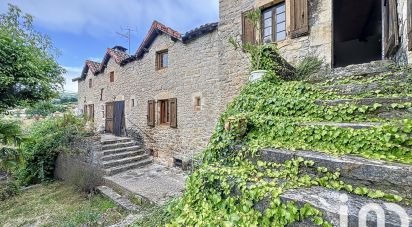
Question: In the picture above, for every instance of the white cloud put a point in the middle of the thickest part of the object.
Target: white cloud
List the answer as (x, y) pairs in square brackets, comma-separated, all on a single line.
[(102, 17), (72, 72)]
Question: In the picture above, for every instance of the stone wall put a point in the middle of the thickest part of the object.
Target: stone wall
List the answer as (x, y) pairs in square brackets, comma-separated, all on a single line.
[(192, 72), (234, 64)]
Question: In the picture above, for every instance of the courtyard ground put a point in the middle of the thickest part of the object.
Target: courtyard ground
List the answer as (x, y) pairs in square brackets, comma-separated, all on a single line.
[(57, 204)]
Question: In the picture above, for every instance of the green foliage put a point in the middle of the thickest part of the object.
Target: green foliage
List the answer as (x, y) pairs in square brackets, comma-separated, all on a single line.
[(46, 140), (8, 190), (156, 216), (28, 69), (44, 108), (308, 66), (228, 188), (10, 132)]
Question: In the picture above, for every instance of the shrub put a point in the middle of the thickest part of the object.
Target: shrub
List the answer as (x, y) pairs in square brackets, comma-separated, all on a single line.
[(308, 66), (8, 190), (44, 109), (47, 138)]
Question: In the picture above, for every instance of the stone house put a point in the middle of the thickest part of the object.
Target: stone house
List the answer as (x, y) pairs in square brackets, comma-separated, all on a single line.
[(172, 90), (166, 93)]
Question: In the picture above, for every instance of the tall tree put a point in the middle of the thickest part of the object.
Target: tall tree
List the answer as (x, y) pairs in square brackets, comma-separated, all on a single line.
[(29, 71)]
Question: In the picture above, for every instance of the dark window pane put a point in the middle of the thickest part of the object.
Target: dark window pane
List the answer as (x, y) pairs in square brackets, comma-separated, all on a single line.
[(267, 32), (281, 17), (281, 26), (280, 35), (267, 13), (267, 23), (165, 60), (267, 39), (280, 8)]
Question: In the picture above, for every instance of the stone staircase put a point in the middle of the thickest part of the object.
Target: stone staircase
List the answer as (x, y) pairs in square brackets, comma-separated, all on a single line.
[(122, 154), (362, 89)]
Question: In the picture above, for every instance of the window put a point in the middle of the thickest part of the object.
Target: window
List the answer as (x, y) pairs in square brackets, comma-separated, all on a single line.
[(111, 77), (90, 83), (274, 23), (164, 112), (162, 59), (101, 94), (198, 104), (132, 102), (167, 112)]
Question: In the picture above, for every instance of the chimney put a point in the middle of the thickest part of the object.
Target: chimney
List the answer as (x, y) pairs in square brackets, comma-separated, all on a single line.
[(120, 48)]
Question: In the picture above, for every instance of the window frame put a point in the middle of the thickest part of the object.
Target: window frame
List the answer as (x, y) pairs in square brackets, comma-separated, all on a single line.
[(111, 77), (164, 112), (160, 63), (273, 8)]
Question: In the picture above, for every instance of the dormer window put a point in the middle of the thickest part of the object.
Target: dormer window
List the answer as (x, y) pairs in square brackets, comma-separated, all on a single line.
[(162, 59)]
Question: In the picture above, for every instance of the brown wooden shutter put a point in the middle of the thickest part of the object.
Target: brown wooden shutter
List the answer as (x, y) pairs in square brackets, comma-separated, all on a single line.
[(391, 27), (299, 18), (248, 30), (410, 24), (173, 112), (151, 108)]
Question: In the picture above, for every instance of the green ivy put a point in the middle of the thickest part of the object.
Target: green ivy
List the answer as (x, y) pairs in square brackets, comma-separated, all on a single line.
[(231, 185)]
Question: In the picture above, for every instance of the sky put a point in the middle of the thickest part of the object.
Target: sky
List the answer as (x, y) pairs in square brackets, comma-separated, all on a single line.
[(84, 29)]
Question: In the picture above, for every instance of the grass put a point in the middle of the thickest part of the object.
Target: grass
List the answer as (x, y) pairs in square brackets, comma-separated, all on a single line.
[(57, 204)]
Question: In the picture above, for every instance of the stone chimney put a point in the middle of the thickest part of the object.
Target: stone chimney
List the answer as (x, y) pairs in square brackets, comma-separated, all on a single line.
[(120, 48)]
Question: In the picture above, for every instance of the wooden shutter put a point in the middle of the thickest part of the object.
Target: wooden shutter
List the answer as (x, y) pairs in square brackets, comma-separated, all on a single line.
[(248, 30), (173, 112), (410, 24), (391, 27), (299, 18), (91, 115), (151, 107)]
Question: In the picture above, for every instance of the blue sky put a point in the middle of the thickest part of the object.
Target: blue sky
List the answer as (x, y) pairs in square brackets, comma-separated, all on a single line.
[(83, 29)]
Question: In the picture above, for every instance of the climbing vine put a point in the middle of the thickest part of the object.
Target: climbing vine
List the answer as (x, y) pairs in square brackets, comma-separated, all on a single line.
[(232, 187)]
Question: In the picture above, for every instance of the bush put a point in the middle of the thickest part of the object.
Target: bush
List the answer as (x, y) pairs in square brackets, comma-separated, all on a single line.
[(44, 109), (308, 66), (8, 190), (46, 140)]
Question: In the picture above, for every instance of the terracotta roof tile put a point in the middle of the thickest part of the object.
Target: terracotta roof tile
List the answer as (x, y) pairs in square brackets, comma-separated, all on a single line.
[(153, 33)]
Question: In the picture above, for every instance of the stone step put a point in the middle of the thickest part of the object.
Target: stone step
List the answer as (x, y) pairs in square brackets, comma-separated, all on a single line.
[(123, 168), (115, 141), (121, 150), (356, 125), (124, 161), (388, 87), (384, 101), (361, 70), (123, 154), (118, 145), (334, 203), (121, 201), (389, 177), (384, 111)]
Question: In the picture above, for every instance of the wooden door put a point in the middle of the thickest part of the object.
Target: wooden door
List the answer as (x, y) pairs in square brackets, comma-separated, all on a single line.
[(109, 117), (118, 118)]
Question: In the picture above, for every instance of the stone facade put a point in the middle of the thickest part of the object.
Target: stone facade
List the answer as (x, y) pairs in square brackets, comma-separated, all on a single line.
[(201, 65), (192, 73)]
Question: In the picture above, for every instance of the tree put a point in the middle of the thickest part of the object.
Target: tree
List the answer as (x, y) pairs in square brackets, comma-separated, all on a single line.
[(28, 68)]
